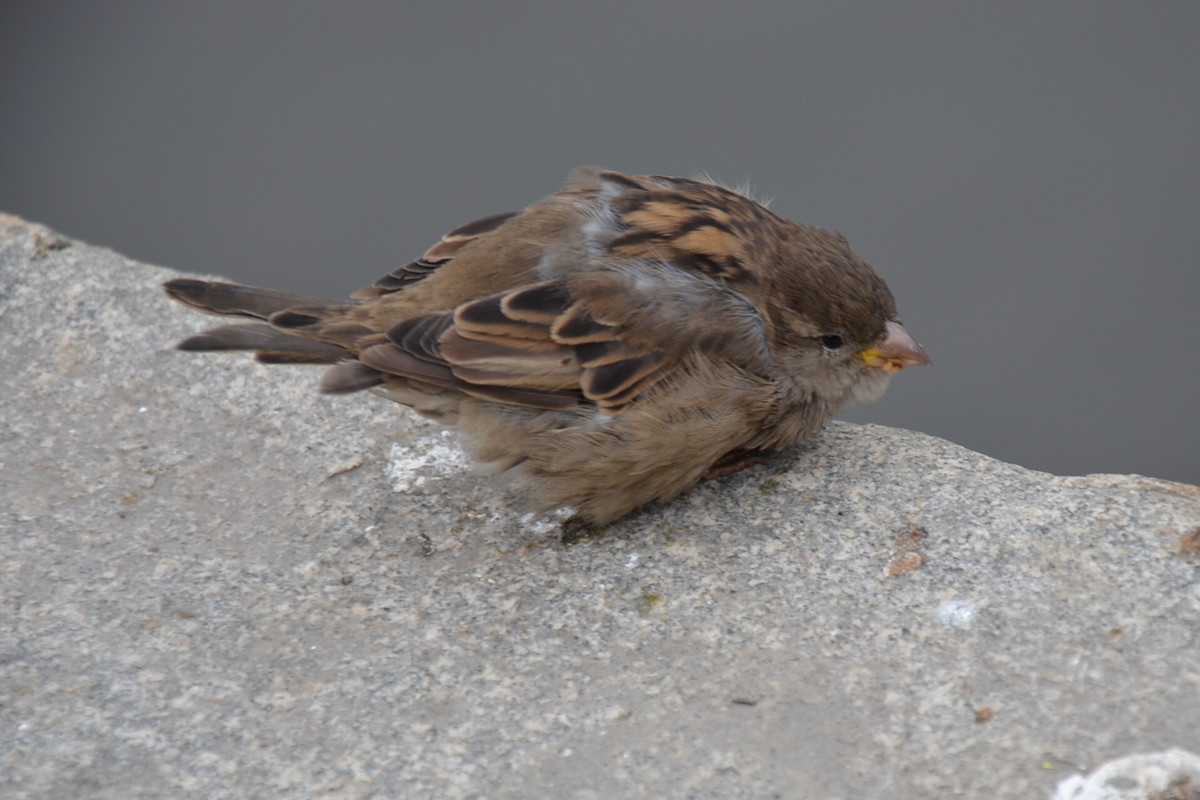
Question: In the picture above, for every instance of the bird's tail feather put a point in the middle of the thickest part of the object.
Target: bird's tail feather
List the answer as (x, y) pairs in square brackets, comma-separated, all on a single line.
[(294, 328), (231, 299), (270, 346)]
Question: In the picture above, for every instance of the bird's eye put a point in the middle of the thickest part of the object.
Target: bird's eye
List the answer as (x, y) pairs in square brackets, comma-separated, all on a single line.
[(831, 341)]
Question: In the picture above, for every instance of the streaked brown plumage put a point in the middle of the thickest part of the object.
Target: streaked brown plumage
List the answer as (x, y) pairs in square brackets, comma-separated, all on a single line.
[(615, 342)]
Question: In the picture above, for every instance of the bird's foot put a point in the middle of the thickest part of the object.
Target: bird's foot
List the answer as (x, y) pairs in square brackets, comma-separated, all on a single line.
[(731, 462)]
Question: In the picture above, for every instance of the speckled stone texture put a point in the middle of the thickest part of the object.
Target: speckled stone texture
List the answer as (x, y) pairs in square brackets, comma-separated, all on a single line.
[(218, 583)]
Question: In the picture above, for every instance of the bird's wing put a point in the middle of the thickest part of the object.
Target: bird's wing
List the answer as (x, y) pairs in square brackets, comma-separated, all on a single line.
[(602, 291), (605, 337), (435, 257), (696, 225)]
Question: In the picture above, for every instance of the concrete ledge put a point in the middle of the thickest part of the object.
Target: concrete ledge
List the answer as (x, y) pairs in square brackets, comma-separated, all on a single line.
[(218, 583)]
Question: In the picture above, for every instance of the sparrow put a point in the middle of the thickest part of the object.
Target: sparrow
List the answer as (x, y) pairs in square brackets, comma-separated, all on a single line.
[(612, 344)]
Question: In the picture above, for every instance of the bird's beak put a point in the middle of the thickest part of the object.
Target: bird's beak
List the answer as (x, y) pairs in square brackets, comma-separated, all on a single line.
[(897, 350)]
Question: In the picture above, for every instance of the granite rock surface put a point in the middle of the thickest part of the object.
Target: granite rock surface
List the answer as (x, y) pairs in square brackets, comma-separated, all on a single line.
[(218, 583)]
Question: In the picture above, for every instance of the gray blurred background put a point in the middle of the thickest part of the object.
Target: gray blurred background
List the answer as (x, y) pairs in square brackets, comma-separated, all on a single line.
[(1024, 175)]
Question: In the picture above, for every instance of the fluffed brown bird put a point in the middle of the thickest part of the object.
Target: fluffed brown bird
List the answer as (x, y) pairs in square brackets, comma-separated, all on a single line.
[(615, 342)]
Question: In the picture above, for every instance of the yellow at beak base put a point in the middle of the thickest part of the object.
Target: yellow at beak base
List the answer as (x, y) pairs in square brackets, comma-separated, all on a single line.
[(872, 358)]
